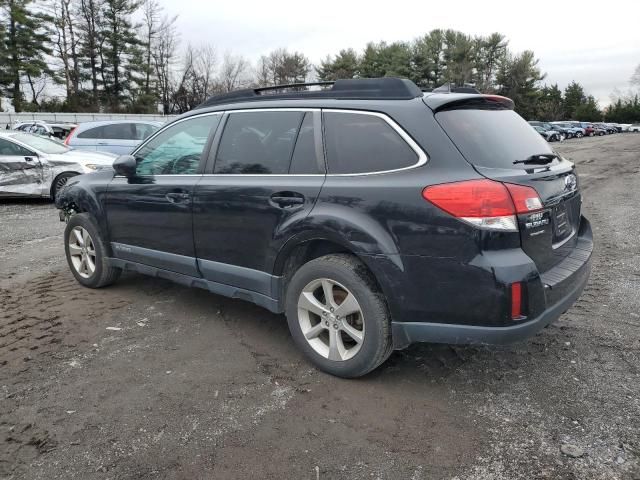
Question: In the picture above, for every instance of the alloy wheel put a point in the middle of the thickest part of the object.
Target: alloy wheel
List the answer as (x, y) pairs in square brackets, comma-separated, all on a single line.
[(61, 182), (331, 319), (82, 252)]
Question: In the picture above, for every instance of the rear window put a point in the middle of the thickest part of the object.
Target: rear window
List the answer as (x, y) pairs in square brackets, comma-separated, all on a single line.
[(492, 138)]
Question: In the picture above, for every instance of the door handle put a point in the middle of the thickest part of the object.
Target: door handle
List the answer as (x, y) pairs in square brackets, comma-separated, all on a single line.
[(287, 199), (177, 197)]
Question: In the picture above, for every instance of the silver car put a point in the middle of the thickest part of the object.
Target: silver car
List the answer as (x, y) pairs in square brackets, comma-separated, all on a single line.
[(34, 166), (115, 136)]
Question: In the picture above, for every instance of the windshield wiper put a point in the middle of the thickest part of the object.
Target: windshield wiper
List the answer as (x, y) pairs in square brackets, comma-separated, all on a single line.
[(538, 159)]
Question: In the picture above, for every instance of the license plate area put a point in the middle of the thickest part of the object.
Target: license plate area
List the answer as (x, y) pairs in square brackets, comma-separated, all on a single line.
[(561, 222)]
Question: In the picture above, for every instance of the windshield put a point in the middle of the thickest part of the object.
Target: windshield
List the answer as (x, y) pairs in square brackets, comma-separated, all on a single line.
[(39, 143), (492, 138)]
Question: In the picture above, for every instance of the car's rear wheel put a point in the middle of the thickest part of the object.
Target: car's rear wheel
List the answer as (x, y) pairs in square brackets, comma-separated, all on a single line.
[(59, 182), (338, 317), (86, 253)]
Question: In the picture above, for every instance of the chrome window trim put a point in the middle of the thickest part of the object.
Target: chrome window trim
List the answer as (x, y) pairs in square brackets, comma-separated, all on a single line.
[(422, 156)]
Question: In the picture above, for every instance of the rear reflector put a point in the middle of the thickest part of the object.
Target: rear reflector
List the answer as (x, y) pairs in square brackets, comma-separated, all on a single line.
[(484, 203), (516, 301)]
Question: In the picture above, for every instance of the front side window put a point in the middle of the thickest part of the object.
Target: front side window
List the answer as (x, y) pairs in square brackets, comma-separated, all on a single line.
[(119, 131), (258, 142), (361, 143), (177, 149), (11, 149), (41, 144)]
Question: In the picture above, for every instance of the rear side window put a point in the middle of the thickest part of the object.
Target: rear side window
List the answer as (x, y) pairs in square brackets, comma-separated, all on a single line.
[(492, 138), (258, 142), (114, 131), (361, 143), (305, 159)]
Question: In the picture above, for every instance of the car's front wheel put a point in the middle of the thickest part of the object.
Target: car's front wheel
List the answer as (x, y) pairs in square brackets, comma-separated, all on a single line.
[(86, 253), (338, 317), (59, 182)]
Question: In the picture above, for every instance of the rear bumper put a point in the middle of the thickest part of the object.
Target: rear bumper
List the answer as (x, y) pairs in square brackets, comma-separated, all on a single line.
[(562, 288)]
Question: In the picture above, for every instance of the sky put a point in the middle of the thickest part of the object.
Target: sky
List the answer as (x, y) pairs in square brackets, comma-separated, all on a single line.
[(596, 43)]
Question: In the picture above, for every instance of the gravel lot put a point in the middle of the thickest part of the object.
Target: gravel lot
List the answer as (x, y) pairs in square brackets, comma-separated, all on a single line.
[(194, 385)]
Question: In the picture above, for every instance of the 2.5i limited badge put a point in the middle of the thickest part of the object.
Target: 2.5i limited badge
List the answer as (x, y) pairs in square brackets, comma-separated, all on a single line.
[(536, 220)]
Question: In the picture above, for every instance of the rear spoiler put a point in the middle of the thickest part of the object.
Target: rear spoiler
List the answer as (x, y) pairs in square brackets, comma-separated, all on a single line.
[(453, 101)]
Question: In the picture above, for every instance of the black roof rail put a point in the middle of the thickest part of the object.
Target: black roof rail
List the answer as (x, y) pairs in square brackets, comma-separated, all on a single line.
[(386, 88), (452, 88)]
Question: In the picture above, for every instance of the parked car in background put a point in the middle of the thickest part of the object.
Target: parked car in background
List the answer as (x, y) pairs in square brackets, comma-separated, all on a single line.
[(635, 128), (549, 135), (624, 127), (572, 130), (562, 134), (589, 131), (46, 129), (114, 136), (607, 128), (33, 166)]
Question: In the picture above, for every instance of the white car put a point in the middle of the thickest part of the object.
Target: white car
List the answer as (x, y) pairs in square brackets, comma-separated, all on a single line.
[(34, 166), (634, 128)]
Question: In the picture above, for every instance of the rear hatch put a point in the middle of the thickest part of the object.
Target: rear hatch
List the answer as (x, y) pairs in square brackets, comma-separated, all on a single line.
[(502, 146)]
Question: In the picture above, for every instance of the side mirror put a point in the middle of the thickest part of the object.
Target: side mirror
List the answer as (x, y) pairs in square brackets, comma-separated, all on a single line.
[(125, 165)]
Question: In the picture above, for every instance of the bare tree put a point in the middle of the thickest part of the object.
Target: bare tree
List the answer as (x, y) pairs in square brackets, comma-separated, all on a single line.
[(205, 59), (233, 73), (90, 24), (163, 53), (158, 32)]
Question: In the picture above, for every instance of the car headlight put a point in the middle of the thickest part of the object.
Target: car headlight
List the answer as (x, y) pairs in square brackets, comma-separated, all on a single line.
[(92, 166)]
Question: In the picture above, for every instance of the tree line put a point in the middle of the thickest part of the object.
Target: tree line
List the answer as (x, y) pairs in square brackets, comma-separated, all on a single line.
[(102, 60)]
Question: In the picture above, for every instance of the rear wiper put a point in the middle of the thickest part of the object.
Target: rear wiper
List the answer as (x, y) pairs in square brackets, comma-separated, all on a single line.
[(539, 159)]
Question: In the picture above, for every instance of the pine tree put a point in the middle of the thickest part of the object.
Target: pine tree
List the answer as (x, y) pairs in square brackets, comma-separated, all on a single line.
[(25, 44), (346, 64), (121, 58)]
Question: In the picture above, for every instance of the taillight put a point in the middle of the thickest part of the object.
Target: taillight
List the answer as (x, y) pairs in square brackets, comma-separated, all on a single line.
[(484, 203), (66, 140), (525, 199)]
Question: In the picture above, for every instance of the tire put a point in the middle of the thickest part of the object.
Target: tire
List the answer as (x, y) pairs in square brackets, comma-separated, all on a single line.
[(81, 237), (591, 134), (309, 315), (579, 135), (59, 182)]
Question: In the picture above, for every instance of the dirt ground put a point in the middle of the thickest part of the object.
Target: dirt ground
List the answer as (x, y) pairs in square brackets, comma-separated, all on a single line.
[(194, 385)]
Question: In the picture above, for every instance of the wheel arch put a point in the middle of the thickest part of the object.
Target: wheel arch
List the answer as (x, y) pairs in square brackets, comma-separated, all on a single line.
[(304, 248)]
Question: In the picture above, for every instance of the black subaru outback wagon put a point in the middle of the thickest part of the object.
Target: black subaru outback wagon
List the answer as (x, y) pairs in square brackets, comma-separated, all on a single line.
[(371, 213)]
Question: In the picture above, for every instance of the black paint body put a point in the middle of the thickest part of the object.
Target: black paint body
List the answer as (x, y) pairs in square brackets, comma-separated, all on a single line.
[(446, 278)]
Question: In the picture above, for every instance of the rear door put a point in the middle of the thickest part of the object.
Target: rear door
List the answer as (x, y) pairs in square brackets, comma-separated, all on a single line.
[(496, 141), (20, 171), (265, 175)]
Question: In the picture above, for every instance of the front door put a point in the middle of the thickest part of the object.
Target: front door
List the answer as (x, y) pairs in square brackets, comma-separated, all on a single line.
[(150, 214), (20, 171), (268, 172)]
